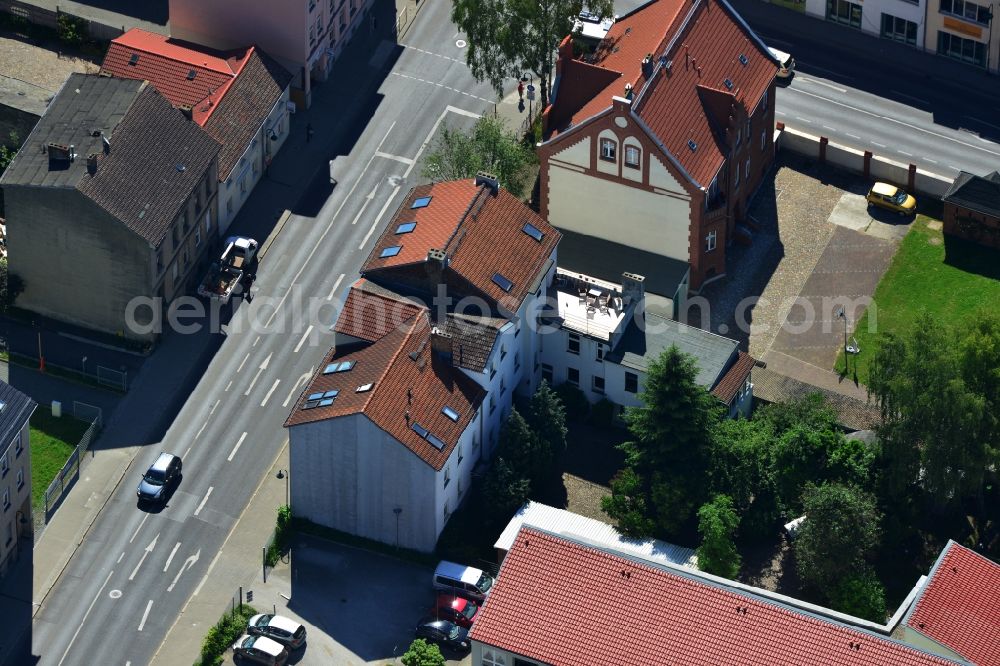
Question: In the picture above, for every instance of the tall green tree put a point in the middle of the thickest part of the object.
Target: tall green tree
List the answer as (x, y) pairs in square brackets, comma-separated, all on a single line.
[(671, 445), (547, 418), (741, 468), (529, 455), (510, 37), (798, 456), (489, 147), (422, 653), (717, 524), (504, 491), (840, 534)]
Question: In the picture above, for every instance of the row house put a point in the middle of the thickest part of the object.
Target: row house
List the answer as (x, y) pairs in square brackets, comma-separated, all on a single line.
[(111, 198), (305, 36), (239, 97), (431, 344), (657, 139), (15, 475)]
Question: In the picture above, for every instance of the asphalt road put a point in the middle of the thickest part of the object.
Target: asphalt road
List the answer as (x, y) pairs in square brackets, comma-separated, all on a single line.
[(132, 574)]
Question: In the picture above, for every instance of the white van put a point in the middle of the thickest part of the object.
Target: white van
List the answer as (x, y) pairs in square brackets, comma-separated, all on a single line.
[(787, 66), (468, 582)]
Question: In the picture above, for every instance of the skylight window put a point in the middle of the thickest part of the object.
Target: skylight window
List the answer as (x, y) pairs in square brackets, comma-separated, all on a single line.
[(419, 429), (331, 394), (533, 231), (728, 83), (342, 366), (692, 145), (364, 388), (435, 442), (450, 413), (315, 396), (744, 60), (390, 251), (421, 202), (191, 74), (134, 59), (502, 282), (326, 402), (406, 227)]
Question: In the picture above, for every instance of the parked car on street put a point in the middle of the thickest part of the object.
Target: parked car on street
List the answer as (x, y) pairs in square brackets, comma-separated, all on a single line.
[(892, 198), (279, 628), (159, 479), (260, 649), (787, 63), (444, 633), (455, 609), (464, 581)]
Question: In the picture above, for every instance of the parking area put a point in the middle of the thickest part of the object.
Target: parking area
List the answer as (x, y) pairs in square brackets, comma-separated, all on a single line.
[(358, 607)]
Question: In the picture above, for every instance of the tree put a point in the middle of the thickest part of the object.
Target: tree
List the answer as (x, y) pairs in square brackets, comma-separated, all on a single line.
[(489, 147), (717, 524), (798, 456), (504, 490), (529, 455), (11, 286), (861, 595), (840, 533), (628, 504), (422, 653), (509, 37), (547, 417), (741, 468), (669, 454)]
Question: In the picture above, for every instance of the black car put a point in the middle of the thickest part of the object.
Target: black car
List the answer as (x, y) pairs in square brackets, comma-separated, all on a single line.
[(159, 479), (444, 633)]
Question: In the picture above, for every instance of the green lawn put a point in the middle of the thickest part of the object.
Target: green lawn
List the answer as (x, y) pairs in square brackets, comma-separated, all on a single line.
[(949, 278), (52, 441)]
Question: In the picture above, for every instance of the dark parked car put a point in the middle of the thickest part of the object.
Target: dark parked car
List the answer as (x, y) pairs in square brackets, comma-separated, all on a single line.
[(444, 633), (159, 479), (455, 609)]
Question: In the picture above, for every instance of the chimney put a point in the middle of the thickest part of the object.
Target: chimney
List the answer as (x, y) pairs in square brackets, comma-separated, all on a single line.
[(437, 261), (647, 65), (441, 343), (632, 288), (699, 71), (187, 110), (489, 180), (60, 152), (92, 163)]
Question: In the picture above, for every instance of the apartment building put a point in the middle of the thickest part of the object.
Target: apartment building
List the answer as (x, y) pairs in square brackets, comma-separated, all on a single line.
[(15, 475)]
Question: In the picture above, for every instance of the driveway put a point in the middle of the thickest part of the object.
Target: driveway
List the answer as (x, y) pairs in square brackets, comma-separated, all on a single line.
[(358, 607)]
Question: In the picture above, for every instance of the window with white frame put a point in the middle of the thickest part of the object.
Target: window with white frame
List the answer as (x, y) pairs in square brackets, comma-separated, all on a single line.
[(710, 241), (18, 445), (197, 237), (609, 149), (493, 657), (600, 353), (20, 478), (208, 221), (503, 351), (632, 156), (447, 475), (573, 344), (461, 457)]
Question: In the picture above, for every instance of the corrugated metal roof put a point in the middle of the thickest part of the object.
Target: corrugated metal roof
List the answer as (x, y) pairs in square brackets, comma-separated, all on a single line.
[(559, 521)]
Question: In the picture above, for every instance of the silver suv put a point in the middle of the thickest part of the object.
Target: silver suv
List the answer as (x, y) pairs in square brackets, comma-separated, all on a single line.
[(159, 479)]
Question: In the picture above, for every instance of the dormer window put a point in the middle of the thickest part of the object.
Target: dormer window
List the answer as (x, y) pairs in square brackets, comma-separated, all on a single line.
[(609, 150)]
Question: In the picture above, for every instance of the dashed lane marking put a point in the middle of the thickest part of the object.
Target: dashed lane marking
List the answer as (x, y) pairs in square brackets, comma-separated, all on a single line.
[(441, 85)]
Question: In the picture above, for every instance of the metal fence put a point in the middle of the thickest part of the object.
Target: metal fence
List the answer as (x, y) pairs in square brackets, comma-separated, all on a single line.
[(115, 380), (89, 413), (71, 469)]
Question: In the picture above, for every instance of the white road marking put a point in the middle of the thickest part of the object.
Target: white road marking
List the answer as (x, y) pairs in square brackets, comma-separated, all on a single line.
[(188, 450), (262, 368), (853, 136), (188, 563), (298, 382), (147, 551), (171, 557), (236, 448), (202, 428), (212, 411), (436, 55), (303, 340), (368, 199), (430, 135), (405, 160), (328, 227), (827, 127), (120, 558), (336, 285), (876, 143), (229, 384), (210, 567), (779, 112), (142, 623), (441, 85), (84, 620), (210, 489), (268, 395), (927, 159), (952, 166), (822, 83), (378, 217), (243, 362), (144, 518), (255, 341), (903, 152)]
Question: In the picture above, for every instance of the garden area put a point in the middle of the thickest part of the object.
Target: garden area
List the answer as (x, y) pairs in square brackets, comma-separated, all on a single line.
[(52, 441), (947, 278)]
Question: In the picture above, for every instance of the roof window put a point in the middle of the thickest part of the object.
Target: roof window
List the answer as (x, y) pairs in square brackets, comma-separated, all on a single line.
[(421, 202), (435, 442), (426, 434), (191, 75), (391, 251), (502, 282), (364, 388), (744, 60), (728, 83), (134, 59), (419, 429), (342, 366), (533, 231), (692, 145), (450, 413), (406, 227)]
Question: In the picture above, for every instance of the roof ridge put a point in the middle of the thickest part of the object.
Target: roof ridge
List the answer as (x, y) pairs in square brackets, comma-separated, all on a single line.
[(167, 42)]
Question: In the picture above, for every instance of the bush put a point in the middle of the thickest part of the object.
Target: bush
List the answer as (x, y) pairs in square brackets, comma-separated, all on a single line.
[(717, 524), (574, 400), (72, 30), (282, 530), (860, 595), (422, 653), (602, 413), (220, 637)]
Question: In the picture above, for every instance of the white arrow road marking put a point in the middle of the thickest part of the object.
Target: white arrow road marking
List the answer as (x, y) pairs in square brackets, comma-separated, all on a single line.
[(262, 368), (210, 488), (243, 362), (142, 623), (188, 563), (298, 382), (336, 285), (268, 395), (138, 528), (378, 217), (85, 616), (149, 549), (171, 558), (303, 340), (368, 200), (236, 448)]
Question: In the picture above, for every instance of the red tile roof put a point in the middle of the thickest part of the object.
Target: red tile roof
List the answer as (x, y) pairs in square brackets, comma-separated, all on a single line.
[(410, 384), (370, 312), (480, 233), (959, 605), (731, 382), (605, 608), (684, 105)]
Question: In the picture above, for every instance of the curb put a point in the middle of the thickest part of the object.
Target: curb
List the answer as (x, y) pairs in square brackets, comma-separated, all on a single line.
[(273, 236)]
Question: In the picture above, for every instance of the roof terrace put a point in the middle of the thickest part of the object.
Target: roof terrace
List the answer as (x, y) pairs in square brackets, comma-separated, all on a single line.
[(591, 306)]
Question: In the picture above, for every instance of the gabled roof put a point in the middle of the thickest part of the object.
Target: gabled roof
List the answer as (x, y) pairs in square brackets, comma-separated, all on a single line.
[(959, 605), (15, 409), (155, 159), (734, 377), (703, 43), (481, 233), (978, 193), (608, 608), (407, 387)]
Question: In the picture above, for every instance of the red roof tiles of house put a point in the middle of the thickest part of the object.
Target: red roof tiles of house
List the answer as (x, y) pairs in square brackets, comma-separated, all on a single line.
[(606, 608), (692, 101), (399, 383), (734, 378), (959, 606), (482, 233)]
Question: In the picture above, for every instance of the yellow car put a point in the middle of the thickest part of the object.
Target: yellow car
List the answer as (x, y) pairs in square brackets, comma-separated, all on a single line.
[(892, 198)]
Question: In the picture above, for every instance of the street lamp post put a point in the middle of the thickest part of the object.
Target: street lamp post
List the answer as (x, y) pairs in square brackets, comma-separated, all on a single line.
[(285, 474), (847, 360)]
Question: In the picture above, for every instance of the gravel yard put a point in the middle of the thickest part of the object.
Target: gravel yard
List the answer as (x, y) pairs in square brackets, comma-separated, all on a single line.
[(38, 65)]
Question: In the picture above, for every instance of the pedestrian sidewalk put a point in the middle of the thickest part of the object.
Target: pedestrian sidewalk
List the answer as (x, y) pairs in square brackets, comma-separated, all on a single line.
[(789, 366)]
